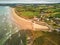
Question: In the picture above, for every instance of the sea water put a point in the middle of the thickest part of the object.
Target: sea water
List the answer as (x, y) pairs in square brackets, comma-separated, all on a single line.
[(7, 28)]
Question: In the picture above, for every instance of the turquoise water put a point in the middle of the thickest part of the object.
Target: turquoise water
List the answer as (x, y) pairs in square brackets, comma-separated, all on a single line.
[(7, 27), (4, 10)]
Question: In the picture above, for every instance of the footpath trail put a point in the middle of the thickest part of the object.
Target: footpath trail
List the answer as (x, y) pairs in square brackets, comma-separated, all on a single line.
[(26, 24)]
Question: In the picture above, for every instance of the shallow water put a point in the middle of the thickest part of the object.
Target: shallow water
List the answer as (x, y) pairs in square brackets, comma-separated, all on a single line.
[(7, 27)]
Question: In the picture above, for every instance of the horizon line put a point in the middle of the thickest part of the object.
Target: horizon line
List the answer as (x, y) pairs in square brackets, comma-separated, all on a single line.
[(27, 2)]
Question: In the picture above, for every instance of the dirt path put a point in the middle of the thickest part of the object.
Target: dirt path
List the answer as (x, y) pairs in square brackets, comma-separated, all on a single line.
[(26, 24)]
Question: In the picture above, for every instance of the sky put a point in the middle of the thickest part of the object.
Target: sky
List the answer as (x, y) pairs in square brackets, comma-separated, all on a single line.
[(30, 1)]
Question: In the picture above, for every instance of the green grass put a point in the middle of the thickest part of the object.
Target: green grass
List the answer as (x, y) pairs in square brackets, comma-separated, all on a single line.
[(29, 14), (35, 10), (49, 38)]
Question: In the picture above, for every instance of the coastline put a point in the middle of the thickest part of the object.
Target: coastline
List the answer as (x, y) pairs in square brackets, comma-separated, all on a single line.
[(26, 24)]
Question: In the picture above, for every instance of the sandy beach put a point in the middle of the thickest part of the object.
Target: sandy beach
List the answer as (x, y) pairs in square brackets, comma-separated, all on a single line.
[(26, 24)]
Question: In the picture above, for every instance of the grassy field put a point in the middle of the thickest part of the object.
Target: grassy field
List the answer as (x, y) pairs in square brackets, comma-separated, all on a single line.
[(29, 11)]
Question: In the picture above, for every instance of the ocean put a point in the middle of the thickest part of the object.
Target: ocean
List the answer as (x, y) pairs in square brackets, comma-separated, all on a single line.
[(7, 28)]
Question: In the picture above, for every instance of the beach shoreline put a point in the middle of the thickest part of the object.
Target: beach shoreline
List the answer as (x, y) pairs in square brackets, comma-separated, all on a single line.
[(26, 24)]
